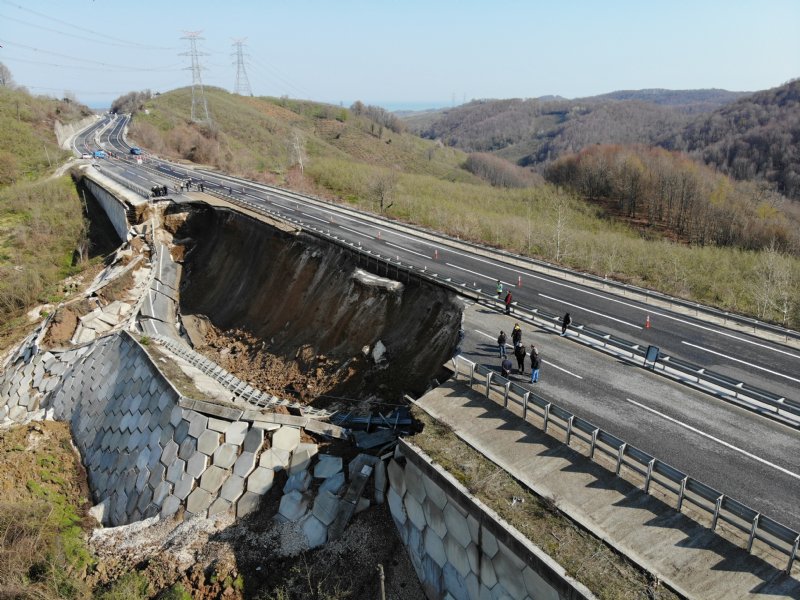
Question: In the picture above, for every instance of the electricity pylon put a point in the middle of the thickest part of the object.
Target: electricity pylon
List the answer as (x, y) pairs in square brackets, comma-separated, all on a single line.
[(242, 85), (198, 95)]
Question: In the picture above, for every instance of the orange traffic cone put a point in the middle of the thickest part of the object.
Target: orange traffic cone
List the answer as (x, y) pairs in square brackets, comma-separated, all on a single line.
[(519, 280), (379, 234), (647, 322), (435, 254)]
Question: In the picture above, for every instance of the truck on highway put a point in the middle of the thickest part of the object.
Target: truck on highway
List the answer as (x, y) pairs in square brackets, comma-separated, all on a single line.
[(99, 154), (136, 151)]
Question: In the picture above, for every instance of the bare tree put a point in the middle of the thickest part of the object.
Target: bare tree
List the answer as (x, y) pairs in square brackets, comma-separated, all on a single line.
[(5, 76), (773, 285), (382, 189), (559, 215), (298, 149)]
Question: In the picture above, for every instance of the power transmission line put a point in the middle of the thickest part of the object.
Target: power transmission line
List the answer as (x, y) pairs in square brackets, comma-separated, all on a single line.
[(242, 85), (198, 95), (84, 29)]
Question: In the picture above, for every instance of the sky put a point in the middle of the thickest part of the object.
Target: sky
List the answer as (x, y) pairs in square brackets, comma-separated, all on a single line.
[(400, 53)]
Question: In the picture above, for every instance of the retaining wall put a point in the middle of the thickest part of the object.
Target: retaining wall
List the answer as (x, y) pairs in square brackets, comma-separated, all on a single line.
[(115, 209), (459, 547), (145, 453), (64, 132)]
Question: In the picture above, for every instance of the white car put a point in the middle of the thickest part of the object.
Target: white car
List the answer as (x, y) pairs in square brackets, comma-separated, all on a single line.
[(86, 155)]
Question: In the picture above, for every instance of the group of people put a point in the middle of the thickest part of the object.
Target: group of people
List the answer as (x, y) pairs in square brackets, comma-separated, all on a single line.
[(520, 353), (158, 190)]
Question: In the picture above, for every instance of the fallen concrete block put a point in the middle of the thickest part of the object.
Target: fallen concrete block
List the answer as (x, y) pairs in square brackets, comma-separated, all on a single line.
[(293, 506)]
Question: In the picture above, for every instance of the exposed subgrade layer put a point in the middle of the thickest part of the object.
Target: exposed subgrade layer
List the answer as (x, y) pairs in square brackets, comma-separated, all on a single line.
[(290, 290)]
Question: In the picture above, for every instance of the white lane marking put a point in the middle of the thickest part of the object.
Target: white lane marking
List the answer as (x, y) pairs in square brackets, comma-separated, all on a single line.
[(594, 312), (407, 250), (547, 362), (712, 438), (744, 362), (508, 283), (356, 232), (544, 361), (313, 217)]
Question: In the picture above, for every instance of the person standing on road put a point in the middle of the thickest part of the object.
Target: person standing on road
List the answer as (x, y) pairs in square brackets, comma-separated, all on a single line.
[(565, 323), (505, 367), (519, 352), (508, 303), (501, 343), (499, 289), (516, 334), (536, 364)]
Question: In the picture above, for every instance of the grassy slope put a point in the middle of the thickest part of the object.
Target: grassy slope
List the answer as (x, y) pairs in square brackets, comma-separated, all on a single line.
[(254, 137), (26, 129), (41, 222)]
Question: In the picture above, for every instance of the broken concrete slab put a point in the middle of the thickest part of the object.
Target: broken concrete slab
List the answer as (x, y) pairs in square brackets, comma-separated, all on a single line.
[(293, 506), (301, 457), (327, 466), (299, 481)]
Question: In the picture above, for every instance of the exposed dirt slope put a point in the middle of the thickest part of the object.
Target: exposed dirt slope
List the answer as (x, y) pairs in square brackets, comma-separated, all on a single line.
[(307, 302)]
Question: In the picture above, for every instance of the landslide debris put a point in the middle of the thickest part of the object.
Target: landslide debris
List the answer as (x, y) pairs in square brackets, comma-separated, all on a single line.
[(291, 314)]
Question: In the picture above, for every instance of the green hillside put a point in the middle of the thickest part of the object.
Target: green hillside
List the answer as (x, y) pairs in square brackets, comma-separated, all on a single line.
[(41, 221), (29, 147), (266, 138)]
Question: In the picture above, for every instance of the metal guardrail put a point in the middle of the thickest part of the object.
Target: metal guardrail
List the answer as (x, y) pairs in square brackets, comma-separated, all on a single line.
[(124, 182), (649, 469)]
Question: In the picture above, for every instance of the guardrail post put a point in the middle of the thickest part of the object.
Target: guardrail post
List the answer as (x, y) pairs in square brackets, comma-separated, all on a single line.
[(649, 475), (569, 428), (546, 417), (717, 508), (525, 406), (594, 442), (620, 454), (753, 532), (793, 555), (488, 382), (505, 394), (681, 493), (472, 375)]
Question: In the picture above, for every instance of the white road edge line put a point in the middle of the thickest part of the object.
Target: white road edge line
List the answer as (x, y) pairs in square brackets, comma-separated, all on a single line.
[(714, 439), (544, 361), (744, 362), (407, 250), (356, 232), (594, 312), (508, 283)]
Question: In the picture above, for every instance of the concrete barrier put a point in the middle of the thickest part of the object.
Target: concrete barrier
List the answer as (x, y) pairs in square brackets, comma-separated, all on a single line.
[(461, 548)]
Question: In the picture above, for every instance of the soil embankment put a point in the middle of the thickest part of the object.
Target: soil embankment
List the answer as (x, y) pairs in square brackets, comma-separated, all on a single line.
[(270, 302)]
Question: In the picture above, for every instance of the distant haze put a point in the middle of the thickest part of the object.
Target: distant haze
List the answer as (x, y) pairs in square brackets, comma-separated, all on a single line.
[(444, 52)]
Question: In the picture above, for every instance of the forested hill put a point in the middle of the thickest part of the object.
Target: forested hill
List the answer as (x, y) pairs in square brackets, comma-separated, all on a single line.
[(535, 131), (748, 136), (690, 101), (757, 137)]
